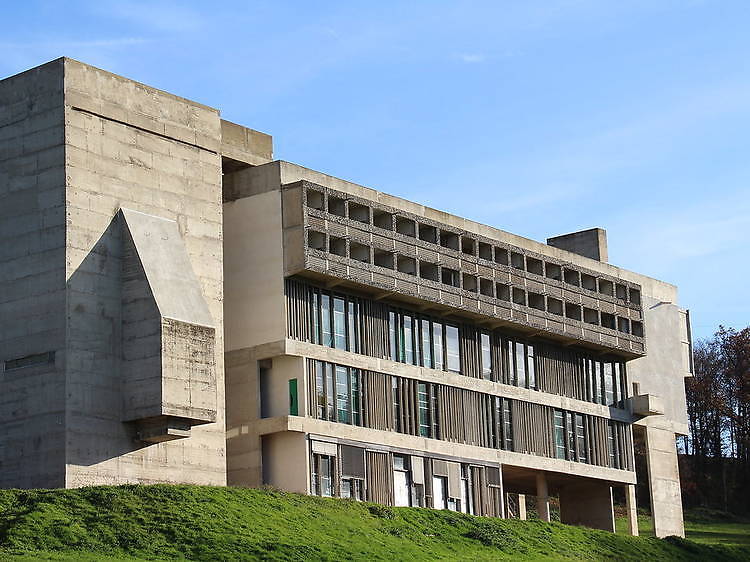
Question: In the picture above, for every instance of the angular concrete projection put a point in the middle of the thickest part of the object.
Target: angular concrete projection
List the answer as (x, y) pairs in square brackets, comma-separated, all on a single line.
[(168, 335)]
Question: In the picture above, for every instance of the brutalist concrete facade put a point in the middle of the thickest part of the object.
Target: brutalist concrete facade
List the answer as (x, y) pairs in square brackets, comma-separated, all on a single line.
[(374, 348)]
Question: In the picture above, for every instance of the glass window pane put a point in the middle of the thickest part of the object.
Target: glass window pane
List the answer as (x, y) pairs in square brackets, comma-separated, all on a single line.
[(530, 365), (339, 323), (356, 406), (401, 488), (511, 376), (521, 365), (342, 395), (452, 352), (608, 385), (486, 356), (426, 345), (315, 317), (408, 344), (330, 392), (439, 492), (326, 476), (507, 425), (437, 342), (352, 312), (559, 435), (320, 390), (424, 410), (581, 439), (392, 335), (325, 320)]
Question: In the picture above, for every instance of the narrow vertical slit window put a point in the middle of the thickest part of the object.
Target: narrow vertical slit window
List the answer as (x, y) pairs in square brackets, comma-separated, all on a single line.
[(339, 323), (609, 394), (507, 426), (343, 401), (396, 404), (325, 320), (452, 348), (521, 365), (580, 439), (356, 399), (530, 366), (408, 339), (427, 351), (315, 317), (437, 342), (392, 330), (320, 389), (352, 313), (330, 392), (424, 409), (559, 435), (486, 355), (571, 435)]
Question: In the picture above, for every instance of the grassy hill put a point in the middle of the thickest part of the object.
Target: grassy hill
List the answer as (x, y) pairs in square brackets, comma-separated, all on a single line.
[(204, 523)]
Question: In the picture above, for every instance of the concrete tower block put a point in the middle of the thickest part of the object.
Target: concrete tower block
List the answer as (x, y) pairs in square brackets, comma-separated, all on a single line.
[(169, 370)]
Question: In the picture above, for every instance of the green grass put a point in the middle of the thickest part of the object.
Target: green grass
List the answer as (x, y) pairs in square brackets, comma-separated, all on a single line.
[(203, 523), (701, 526)]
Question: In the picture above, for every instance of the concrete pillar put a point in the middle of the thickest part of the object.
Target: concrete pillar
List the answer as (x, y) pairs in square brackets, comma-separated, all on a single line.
[(522, 507), (542, 496), (632, 509), (664, 482)]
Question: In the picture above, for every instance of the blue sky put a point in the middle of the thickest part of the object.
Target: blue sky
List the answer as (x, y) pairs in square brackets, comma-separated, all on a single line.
[(539, 118)]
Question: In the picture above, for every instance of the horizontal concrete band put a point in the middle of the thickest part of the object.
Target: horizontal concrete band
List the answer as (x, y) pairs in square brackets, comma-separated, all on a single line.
[(415, 444), (386, 366)]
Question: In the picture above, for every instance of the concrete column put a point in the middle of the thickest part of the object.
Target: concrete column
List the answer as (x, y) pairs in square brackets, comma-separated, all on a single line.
[(522, 507), (632, 508), (542, 496), (664, 482)]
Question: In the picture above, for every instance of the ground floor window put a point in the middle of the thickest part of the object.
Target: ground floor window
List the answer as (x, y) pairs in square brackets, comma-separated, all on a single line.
[(323, 467), (353, 488), (401, 481)]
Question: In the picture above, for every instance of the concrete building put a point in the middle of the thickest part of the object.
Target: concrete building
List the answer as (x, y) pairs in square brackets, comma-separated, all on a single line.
[(175, 306)]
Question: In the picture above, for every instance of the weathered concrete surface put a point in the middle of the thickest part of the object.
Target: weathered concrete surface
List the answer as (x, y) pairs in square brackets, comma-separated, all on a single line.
[(32, 277), (591, 243), (588, 504), (664, 482)]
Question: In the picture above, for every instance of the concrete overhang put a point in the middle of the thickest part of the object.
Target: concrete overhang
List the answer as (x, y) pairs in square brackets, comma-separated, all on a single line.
[(646, 405)]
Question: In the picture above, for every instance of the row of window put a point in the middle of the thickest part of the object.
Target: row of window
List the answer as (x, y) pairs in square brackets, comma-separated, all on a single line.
[(468, 245), (407, 492), (421, 340), (419, 409)]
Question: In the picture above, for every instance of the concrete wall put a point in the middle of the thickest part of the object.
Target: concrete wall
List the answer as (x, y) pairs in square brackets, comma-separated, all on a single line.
[(286, 462), (588, 504), (128, 145), (32, 277)]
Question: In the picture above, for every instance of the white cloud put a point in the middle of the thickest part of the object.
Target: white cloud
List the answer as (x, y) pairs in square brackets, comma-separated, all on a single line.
[(471, 58)]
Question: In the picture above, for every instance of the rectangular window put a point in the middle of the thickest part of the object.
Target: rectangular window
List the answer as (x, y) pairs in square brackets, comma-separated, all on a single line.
[(408, 340), (320, 389), (356, 398), (437, 342), (511, 370), (339, 323), (609, 394), (392, 328), (486, 356), (322, 475), (396, 404), (325, 320), (580, 439), (530, 365), (424, 409), (570, 429), (521, 365), (559, 435), (352, 312), (293, 398), (611, 446), (598, 386), (343, 403), (401, 482), (440, 492), (452, 349), (619, 387), (330, 393), (426, 345), (315, 317), (507, 426)]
